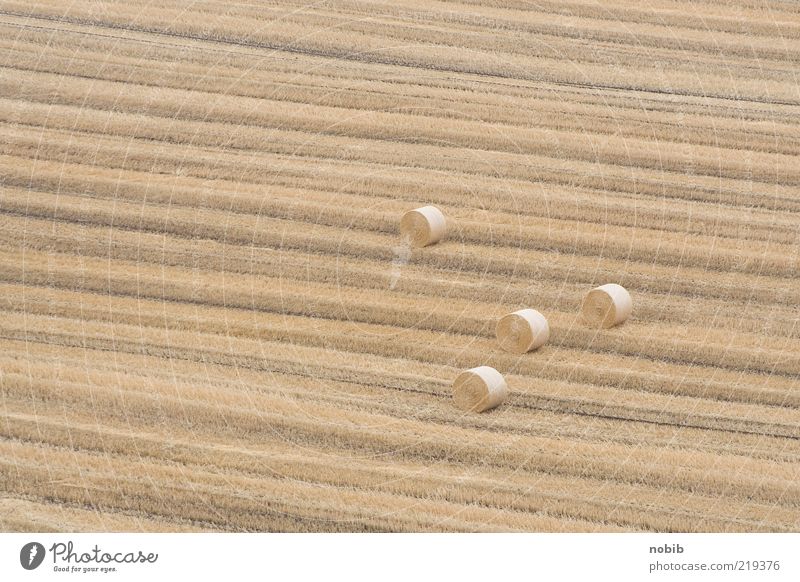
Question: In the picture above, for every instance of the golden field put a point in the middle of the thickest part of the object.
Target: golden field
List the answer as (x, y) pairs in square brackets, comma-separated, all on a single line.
[(208, 321)]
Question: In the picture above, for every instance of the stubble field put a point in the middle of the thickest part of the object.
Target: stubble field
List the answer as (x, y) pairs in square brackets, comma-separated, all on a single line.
[(208, 320)]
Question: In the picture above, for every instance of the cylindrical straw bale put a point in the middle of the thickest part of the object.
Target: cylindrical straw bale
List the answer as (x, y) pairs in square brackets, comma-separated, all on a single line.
[(479, 389), (606, 306), (522, 331), (423, 226)]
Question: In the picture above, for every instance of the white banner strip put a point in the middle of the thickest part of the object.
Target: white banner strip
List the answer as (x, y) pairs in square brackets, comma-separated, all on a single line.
[(415, 557)]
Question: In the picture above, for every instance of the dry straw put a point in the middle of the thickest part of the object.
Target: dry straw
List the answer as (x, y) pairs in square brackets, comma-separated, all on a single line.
[(479, 389), (423, 226), (606, 306), (522, 331)]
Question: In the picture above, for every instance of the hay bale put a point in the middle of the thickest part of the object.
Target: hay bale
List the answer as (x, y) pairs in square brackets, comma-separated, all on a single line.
[(479, 389), (423, 226), (522, 331), (606, 306)]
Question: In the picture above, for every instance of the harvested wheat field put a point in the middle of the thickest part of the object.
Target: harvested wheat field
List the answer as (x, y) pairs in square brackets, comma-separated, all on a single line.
[(210, 321)]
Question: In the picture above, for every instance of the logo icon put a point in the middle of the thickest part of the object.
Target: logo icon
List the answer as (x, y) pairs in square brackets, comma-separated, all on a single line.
[(31, 555)]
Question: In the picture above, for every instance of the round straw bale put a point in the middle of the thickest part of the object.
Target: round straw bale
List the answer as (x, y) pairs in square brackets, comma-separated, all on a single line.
[(606, 306), (423, 226), (522, 331), (479, 389)]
